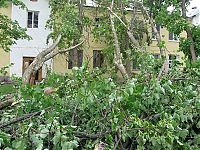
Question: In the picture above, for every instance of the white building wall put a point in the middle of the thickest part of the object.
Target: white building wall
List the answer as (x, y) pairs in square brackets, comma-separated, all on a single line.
[(25, 48), (196, 20)]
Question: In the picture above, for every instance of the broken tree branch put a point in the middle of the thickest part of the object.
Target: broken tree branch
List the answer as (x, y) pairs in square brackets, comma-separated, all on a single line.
[(130, 35), (22, 118), (6, 103), (62, 51), (91, 136), (188, 31), (44, 56), (118, 55), (33, 67)]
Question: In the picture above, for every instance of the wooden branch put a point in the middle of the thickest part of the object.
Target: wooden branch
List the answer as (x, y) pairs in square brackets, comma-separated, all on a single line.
[(130, 35), (164, 69), (91, 136), (62, 51), (182, 79), (22, 118), (33, 67), (153, 117), (118, 55), (188, 31), (6, 103)]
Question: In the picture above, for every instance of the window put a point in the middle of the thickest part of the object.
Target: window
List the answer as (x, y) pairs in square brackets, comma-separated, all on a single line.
[(73, 61), (32, 19), (154, 34), (173, 37), (172, 58), (156, 56), (97, 58)]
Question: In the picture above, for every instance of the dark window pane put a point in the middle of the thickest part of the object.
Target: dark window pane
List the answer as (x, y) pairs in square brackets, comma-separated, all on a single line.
[(35, 20), (175, 37), (156, 56), (35, 24), (158, 28), (70, 60), (30, 17), (80, 58), (98, 59), (171, 36)]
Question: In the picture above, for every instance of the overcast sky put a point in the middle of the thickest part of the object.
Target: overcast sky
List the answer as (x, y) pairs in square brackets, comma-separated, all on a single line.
[(195, 3)]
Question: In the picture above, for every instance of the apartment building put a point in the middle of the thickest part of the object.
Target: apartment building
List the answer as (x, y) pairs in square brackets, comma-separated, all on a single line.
[(34, 19), (92, 49)]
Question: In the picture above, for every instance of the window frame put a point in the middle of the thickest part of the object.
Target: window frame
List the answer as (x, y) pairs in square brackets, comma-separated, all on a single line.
[(33, 19), (70, 60), (173, 35), (98, 63), (170, 61), (156, 54)]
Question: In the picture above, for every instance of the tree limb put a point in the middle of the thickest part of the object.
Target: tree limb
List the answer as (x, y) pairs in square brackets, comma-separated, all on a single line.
[(62, 51), (6, 103), (22, 118), (130, 35), (189, 32), (91, 136), (118, 55)]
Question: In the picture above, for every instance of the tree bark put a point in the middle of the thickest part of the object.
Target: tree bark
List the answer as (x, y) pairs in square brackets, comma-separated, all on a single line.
[(118, 55), (6, 103), (189, 32), (42, 57), (34, 66), (130, 35)]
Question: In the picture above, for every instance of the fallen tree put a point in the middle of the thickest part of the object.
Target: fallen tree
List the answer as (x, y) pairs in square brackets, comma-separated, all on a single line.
[(44, 56)]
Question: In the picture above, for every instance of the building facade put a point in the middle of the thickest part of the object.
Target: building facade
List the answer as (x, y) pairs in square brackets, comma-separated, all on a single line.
[(34, 19)]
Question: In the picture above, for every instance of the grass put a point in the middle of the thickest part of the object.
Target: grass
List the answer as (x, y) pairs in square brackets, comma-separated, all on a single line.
[(6, 89)]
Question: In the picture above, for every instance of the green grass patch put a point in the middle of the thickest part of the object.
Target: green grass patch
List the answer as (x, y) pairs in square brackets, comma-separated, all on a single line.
[(6, 89)]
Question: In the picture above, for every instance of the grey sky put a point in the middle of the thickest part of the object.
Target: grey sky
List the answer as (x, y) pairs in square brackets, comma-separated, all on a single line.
[(195, 3)]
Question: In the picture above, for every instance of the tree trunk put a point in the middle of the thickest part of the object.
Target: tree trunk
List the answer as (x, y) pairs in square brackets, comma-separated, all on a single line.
[(44, 56), (118, 55), (189, 32)]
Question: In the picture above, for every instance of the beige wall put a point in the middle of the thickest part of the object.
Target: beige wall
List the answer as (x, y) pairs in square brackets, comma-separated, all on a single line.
[(5, 56), (172, 47), (60, 64)]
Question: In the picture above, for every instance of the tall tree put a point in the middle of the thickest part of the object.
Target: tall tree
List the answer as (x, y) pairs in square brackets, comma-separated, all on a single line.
[(10, 31), (174, 20)]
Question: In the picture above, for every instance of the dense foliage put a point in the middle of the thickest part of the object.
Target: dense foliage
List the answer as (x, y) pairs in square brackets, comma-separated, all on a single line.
[(185, 43), (10, 31), (88, 109)]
